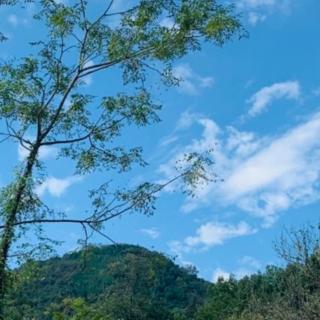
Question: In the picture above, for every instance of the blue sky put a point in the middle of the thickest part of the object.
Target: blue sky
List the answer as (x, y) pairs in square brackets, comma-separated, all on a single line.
[(255, 101)]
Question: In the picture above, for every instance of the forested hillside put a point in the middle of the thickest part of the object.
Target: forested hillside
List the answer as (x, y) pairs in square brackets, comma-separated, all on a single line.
[(121, 281), (130, 282)]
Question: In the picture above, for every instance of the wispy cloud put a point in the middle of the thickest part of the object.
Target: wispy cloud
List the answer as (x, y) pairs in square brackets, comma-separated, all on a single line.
[(258, 10), (15, 21), (209, 235), (262, 175), (153, 233), (186, 120), (214, 233), (190, 82), (263, 98), (88, 79), (56, 187), (44, 153), (250, 262), (167, 22), (257, 3), (205, 143), (281, 174), (256, 17)]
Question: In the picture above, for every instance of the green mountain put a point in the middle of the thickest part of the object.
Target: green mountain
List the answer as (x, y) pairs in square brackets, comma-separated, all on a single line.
[(124, 281)]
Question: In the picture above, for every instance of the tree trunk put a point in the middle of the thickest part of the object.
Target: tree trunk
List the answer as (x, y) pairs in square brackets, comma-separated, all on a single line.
[(10, 220)]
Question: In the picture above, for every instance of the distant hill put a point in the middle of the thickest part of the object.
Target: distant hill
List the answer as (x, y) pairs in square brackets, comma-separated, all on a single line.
[(129, 282), (125, 282)]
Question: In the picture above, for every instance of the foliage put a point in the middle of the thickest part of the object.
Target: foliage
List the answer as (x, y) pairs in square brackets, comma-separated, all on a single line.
[(116, 282), (129, 282), (279, 294), (43, 104)]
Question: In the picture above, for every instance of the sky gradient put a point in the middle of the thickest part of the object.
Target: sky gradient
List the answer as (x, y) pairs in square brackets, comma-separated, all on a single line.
[(254, 101)]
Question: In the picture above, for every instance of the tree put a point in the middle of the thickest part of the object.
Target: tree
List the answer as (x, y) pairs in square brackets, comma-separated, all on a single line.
[(122, 281), (41, 97), (289, 293)]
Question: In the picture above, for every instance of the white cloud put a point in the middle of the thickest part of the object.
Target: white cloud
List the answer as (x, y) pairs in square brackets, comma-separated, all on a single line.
[(45, 152), (241, 144), (255, 17), (263, 98), (120, 5), (15, 21), (247, 266), (283, 173), (167, 22), (88, 79), (56, 187), (152, 232), (262, 176), (250, 262), (168, 140), (259, 10), (209, 235), (190, 82), (186, 120), (237, 273), (257, 3), (22, 152), (220, 274), (213, 234), (205, 143)]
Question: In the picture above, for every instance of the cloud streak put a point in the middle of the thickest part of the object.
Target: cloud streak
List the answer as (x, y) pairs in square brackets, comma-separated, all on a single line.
[(213, 234), (56, 187), (190, 82), (209, 235), (258, 10), (45, 152), (260, 101), (263, 176), (153, 233)]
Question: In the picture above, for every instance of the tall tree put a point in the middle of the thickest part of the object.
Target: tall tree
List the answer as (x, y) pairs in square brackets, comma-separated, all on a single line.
[(41, 96)]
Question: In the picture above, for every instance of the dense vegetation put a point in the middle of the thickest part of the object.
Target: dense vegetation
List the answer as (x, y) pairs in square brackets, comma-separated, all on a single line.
[(278, 294), (118, 282), (124, 282)]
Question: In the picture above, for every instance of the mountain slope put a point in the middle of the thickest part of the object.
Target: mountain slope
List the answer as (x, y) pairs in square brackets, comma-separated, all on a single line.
[(127, 282)]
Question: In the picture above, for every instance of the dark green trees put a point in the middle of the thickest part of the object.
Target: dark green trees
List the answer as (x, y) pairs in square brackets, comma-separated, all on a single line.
[(115, 282), (130, 282), (291, 293)]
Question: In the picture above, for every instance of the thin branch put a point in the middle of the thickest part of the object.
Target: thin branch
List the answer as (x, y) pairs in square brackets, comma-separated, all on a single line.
[(83, 12), (101, 219), (104, 13), (122, 12), (60, 107), (102, 234), (87, 136), (100, 66), (54, 142)]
